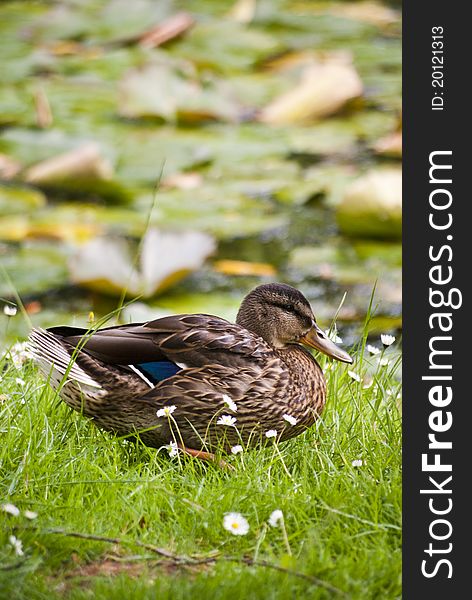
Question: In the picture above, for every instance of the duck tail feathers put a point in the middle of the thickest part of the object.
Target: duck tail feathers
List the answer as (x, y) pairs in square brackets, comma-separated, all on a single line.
[(55, 360)]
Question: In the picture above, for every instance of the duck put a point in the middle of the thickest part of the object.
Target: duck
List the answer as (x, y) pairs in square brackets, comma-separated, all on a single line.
[(197, 382)]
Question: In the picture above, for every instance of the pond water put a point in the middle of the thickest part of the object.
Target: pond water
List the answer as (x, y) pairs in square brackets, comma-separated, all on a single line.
[(220, 129)]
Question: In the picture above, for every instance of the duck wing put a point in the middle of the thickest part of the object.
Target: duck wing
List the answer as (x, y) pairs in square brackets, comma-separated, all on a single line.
[(187, 340)]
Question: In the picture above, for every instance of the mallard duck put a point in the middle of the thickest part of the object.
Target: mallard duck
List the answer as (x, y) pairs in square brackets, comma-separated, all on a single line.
[(197, 380)]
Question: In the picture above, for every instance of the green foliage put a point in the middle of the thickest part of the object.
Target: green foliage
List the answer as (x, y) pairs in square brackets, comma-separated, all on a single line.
[(342, 520)]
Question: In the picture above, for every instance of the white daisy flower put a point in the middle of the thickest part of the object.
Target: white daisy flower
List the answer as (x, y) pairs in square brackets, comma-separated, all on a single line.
[(372, 349), (230, 403), (368, 384), (354, 375), (235, 523), (11, 509), (383, 362), (357, 463), (271, 433), (29, 514), (236, 449), (16, 544), (290, 419), (226, 420), (19, 381), (18, 354), (172, 449), (166, 411), (276, 517), (10, 310), (387, 340)]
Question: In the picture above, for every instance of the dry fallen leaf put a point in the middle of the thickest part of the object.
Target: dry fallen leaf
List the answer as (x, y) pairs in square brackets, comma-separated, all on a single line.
[(372, 205), (295, 60), (9, 167), (16, 228), (183, 181), (241, 267), (85, 162), (324, 89), (169, 29), (390, 145), (367, 12), (42, 107), (243, 11)]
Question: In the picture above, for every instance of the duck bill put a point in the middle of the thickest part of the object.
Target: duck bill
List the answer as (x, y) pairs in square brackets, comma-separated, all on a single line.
[(317, 339)]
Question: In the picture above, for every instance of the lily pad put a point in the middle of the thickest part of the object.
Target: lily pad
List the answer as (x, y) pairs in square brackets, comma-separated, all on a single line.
[(73, 222), (18, 200), (333, 136), (113, 21), (33, 267), (32, 146), (83, 171), (372, 205), (15, 107), (219, 303), (163, 258), (158, 90), (226, 46), (325, 181), (216, 208), (19, 58), (316, 261)]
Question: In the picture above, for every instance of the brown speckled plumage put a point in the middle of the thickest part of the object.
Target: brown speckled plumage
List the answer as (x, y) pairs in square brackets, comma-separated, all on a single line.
[(257, 363)]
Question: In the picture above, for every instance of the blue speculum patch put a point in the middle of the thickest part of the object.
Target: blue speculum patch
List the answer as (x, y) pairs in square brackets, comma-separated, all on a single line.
[(159, 370)]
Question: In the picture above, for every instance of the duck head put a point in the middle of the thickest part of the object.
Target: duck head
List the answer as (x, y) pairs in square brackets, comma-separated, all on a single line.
[(281, 315)]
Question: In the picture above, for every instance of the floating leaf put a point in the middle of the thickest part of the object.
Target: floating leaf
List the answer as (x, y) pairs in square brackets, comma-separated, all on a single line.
[(34, 267), (42, 107), (159, 90), (9, 167), (390, 145), (18, 200), (19, 57), (183, 181), (316, 261), (112, 21), (223, 304), (243, 11), (241, 267), (16, 228), (323, 90), (220, 208), (226, 46), (367, 12), (106, 264), (171, 28), (372, 205), (139, 312), (84, 162), (82, 171), (324, 181)]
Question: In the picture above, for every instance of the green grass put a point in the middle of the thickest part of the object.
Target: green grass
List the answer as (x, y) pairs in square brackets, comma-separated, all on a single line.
[(342, 521)]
